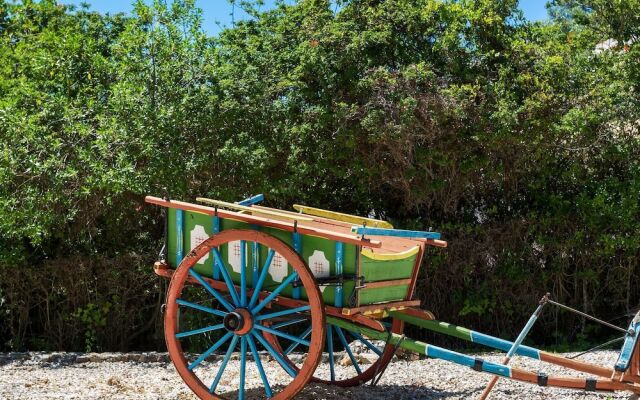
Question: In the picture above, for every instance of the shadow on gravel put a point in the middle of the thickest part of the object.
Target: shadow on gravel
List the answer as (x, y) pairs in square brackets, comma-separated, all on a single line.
[(381, 392)]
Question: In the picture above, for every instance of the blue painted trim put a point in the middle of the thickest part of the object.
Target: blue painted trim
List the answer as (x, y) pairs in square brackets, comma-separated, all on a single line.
[(462, 359), (275, 293), (283, 312), (224, 363), (256, 358), (255, 265), (198, 331), (295, 344), (282, 334), (261, 279), (243, 273), (243, 366), (226, 276), (249, 201), (360, 230), (339, 268), (630, 343), (343, 340), (504, 345), (284, 364), (210, 350), (332, 367), (216, 229), (297, 246), (179, 236), (211, 290)]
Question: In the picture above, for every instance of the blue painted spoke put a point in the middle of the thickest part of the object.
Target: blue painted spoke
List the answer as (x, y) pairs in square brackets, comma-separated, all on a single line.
[(275, 293), (243, 273), (201, 330), (263, 275), (210, 350), (275, 355), (343, 340), (332, 366), (290, 322), (256, 358), (283, 312), (201, 308), (243, 366), (226, 276), (224, 363), (293, 345), (282, 334), (366, 342), (211, 290)]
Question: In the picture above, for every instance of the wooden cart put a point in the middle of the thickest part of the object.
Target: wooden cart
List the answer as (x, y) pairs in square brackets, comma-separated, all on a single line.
[(284, 287)]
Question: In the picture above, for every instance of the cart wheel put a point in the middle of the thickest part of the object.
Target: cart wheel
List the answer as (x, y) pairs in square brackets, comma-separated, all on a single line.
[(340, 340), (218, 315)]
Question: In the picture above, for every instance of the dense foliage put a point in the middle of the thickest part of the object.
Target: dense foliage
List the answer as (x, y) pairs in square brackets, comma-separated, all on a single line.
[(519, 141)]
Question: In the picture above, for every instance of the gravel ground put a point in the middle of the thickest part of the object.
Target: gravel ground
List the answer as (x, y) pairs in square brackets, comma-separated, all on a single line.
[(150, 376)]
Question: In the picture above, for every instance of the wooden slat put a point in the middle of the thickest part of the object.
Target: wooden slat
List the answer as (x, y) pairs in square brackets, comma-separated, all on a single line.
[(338, 216), (253, 219), (234, 206)]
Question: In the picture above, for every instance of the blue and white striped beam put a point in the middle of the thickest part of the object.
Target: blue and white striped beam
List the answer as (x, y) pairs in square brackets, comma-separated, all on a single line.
[(362, 230)]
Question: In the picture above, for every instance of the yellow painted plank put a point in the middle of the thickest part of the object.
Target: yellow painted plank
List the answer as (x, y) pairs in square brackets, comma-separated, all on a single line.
[(233, 206), (337, 216), (390, 256)]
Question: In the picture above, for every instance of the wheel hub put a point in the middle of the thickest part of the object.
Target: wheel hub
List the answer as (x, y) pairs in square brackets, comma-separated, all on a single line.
[(239, 321)]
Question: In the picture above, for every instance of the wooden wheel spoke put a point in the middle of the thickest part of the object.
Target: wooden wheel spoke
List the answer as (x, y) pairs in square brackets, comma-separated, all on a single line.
[(211, 290), (210, 351), (275, 293), (227, 278), (224, 363), (198, 331), (256, 357), (283, 313), (275, 355), (343, 340), (283, 334)]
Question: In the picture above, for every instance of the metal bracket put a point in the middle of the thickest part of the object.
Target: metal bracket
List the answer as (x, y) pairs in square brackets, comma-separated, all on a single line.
[(543, 379), (477, 364), (590, 385)]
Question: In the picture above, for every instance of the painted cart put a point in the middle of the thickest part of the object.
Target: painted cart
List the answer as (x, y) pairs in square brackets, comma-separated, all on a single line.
[(286, 287)]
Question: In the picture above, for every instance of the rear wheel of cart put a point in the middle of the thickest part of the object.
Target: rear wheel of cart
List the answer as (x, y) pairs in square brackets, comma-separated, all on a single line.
[(207, 320), (352, 358)]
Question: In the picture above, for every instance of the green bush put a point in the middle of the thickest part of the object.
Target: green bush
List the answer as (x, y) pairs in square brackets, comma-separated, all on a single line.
[(518, 140)]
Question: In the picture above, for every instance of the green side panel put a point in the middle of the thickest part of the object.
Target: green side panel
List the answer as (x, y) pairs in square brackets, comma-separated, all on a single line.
[(385, 294), (318, 253), (386, 270)]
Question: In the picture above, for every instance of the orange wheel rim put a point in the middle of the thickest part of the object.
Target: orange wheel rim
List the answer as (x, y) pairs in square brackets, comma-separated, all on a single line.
[(248, 324)]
